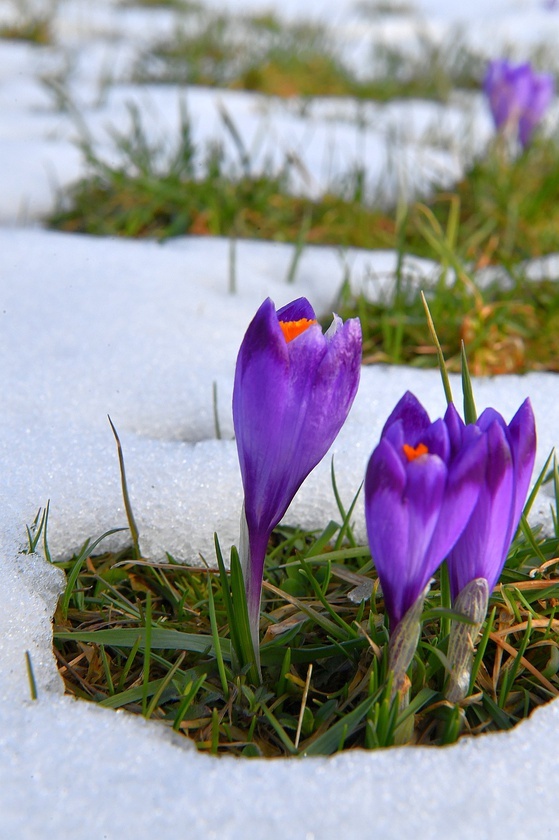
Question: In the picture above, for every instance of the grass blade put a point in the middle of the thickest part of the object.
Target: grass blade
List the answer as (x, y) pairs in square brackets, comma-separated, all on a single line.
[(147, 652), (346, 530), (45, 523), (329, 742), (86, 550), (510, 675), (470, 411), (349, 632), (227, 600), (161, 639), (190, 692), (299, 245), (30, 676), (134, 533), (440, 356), (164, 683), (128, 664), (106, 669), (282, 734), (480, 653), (215, 637), (248, 655), (217, 427)]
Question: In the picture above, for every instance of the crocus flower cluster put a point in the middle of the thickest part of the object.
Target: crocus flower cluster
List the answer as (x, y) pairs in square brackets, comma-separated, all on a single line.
[(433, 490), (293, 390), (444, 489), (518, 98)]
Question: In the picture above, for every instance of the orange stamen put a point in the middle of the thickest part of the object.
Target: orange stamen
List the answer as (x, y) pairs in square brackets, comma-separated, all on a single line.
[(413, 452), (291, 329)]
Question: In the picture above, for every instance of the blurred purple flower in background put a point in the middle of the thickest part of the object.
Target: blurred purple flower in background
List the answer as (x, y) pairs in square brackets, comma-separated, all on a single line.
[(293, 390), (419, 494), (518, 97)]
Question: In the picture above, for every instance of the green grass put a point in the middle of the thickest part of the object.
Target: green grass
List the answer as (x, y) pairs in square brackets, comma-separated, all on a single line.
[(503, 212), (508, 330), (265, 54), (508, 207), (160, 192), (157, 640), (507, 211), (248, 206), (249, 53)]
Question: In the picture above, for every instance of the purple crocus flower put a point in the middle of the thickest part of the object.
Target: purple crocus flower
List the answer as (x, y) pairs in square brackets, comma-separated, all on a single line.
[(419, 494), (293, 390), (418, 497), (477, 559), (481, 550), (518, 97)]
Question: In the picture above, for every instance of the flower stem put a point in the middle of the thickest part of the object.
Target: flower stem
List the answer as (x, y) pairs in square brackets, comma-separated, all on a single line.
[(251, 568), (402, 647)]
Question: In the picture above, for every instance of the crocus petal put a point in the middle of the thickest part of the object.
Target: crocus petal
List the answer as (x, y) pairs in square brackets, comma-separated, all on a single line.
[(508, 90), (455, 426), (413, 416), (488, 417), (388, 524), (426, 482), (261, 385), (480, 551), (465, 475), (296, 310), (323, 378), (394, 433), (522, 438), (401, 508), (540, 99), (289, 403), (435, 437)]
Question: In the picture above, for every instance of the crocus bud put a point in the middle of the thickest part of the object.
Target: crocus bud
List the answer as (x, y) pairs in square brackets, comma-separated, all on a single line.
[(419, 494), (481, 550), (293, 390)]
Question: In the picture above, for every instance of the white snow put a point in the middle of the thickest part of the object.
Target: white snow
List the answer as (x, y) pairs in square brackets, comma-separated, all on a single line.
[(141, 331)]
